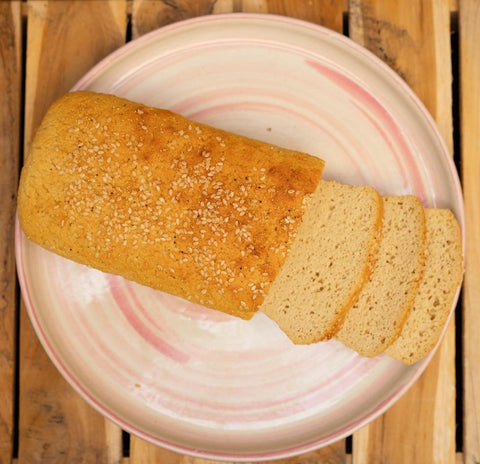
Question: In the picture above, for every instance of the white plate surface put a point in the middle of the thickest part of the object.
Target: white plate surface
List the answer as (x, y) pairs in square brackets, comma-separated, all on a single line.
[(195, 380)]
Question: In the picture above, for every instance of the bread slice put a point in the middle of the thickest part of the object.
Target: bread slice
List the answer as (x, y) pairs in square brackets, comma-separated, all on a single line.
[(437, 290), (377, 318), (164, 201), (330, 260)]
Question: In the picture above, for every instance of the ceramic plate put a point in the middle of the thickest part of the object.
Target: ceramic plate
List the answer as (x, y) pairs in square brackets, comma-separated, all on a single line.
[(194, 380)]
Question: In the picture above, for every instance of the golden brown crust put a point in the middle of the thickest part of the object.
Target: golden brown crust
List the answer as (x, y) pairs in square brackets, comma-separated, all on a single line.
[(162, 200)]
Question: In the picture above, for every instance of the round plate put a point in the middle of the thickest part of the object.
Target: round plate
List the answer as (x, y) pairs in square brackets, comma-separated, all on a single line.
[(195, 380)]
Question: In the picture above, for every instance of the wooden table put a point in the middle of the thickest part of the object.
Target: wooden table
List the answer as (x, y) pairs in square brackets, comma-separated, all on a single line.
[(45, 46)]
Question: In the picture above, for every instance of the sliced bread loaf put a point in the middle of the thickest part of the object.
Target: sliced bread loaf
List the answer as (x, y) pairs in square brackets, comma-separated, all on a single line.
[(376, 319), (437, 290), (329, 262)]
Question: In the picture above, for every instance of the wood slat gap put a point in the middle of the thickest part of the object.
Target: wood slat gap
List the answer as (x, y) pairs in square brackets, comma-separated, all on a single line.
[(125, 444), (11, 129), (459, 407), (16, 403), (16, 399)]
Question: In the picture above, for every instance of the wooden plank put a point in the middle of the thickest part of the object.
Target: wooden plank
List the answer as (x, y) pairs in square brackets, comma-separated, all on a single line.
[(151, 14), (65, 39), (148, 15), (224, 7), (330, 455), (469, 33), (328, 13), (427, 408), (10, 116), (414, 39)]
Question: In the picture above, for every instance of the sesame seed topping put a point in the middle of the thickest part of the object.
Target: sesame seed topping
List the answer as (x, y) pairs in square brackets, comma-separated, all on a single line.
[(177, 205)]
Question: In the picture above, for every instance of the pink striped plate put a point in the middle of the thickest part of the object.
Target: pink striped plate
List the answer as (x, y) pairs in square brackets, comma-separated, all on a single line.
[(194, 380)]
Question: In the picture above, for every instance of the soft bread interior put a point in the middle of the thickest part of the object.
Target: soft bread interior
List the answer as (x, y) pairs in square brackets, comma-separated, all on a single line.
[(330, 260), (377, 317), (437, 290)]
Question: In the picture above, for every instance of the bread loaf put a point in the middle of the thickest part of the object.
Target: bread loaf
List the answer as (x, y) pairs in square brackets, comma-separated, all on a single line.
[(238, 225), (331, 258), (437, 290), (164, 201), (376, 319)]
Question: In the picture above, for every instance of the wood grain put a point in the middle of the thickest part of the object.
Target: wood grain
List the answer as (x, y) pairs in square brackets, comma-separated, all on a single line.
[(65, 38), (414, 39), (328, 13), (428, 409), (148, 15), (55, 424), (328, 455), (10, 120), (469, 39)]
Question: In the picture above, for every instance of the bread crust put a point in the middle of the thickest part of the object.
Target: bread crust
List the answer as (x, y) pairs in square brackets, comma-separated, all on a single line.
[(164, 201)]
